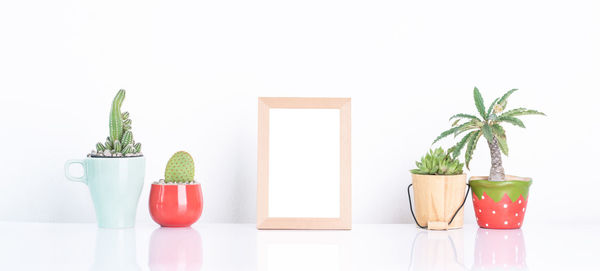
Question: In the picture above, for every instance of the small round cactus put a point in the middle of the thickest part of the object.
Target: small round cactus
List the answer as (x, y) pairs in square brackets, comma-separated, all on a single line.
[(180, 168)]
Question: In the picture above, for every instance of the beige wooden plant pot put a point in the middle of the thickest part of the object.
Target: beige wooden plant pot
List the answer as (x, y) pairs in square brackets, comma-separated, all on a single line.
[(437, 200)]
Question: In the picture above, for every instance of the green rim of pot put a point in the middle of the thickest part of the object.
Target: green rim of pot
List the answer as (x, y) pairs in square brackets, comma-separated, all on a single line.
[(496, 190)]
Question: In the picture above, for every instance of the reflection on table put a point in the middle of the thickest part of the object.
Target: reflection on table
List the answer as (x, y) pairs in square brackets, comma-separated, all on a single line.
[(499, 249), (115, 250), (438, 250), (303, 250), (175, 249)]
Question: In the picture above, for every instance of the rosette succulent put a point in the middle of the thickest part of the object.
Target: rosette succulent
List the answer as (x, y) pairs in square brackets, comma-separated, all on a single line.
[(438, 162)]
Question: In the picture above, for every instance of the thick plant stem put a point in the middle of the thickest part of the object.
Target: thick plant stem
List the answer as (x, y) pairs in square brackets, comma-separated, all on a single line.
[(497, 171)]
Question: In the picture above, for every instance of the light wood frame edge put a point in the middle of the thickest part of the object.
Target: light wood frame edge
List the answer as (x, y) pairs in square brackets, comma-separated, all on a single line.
[(344, 222)]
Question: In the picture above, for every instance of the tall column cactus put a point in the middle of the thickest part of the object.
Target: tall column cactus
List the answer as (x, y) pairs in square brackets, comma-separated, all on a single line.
[(180, 168), (115, 122), (120, 141)]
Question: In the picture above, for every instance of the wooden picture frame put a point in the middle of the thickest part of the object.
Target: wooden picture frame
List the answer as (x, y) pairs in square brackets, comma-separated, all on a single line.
[(344, 221)]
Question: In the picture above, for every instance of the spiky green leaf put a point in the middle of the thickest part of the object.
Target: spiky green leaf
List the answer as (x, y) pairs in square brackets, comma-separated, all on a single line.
[(445, 134), (503, 145), (500, 134), (487, 132), (521, 112), (479, 103), (473, 124), (464, 116), (471, 145), (511, 120), (461, 144), (455, 122), (498, 130), (503, 100)]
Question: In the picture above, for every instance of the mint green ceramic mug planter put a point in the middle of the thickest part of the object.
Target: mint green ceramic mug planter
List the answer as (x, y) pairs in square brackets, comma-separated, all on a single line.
[(115, 185)]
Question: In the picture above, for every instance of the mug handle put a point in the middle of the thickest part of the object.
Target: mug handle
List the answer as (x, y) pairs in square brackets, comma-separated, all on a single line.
[(83, 178)]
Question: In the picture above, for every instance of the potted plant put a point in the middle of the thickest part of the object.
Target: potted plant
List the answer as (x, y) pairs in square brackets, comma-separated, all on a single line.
[(439, 187), (176, 200), (499, 200), (114, 172)]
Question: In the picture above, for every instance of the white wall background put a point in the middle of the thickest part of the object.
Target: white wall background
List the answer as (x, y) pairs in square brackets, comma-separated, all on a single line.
[(194, 69)]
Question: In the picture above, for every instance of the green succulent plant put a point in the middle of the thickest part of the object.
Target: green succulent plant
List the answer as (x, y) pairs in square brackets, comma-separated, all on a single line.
[(438, 162), (490, 126), (180, 168), (120, 139)]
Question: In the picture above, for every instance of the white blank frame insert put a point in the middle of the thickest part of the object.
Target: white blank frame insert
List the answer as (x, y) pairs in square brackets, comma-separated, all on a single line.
[(304, 163)]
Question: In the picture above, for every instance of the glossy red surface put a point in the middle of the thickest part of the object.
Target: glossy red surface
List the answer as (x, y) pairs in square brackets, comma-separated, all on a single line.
[(175, 249), (175, 205)]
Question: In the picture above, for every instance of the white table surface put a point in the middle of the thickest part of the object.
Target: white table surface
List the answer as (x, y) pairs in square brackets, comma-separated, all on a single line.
[(53, 246)]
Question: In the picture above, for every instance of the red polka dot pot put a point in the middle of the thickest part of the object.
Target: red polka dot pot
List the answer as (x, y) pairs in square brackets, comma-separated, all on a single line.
[(500, 205)]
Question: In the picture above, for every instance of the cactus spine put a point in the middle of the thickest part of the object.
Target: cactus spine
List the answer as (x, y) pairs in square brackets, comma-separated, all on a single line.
[(120, 140), (180, 168)]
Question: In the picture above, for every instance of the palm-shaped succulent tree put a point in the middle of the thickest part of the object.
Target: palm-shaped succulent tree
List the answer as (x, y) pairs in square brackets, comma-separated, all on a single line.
[(489, 125)]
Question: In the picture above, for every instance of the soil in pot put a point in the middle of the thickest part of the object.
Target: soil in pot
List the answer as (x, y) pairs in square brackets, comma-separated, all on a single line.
[(500, 205)]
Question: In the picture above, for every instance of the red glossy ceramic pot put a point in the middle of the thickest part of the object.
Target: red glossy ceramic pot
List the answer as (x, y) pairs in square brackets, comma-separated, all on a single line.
[(175, 205)]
